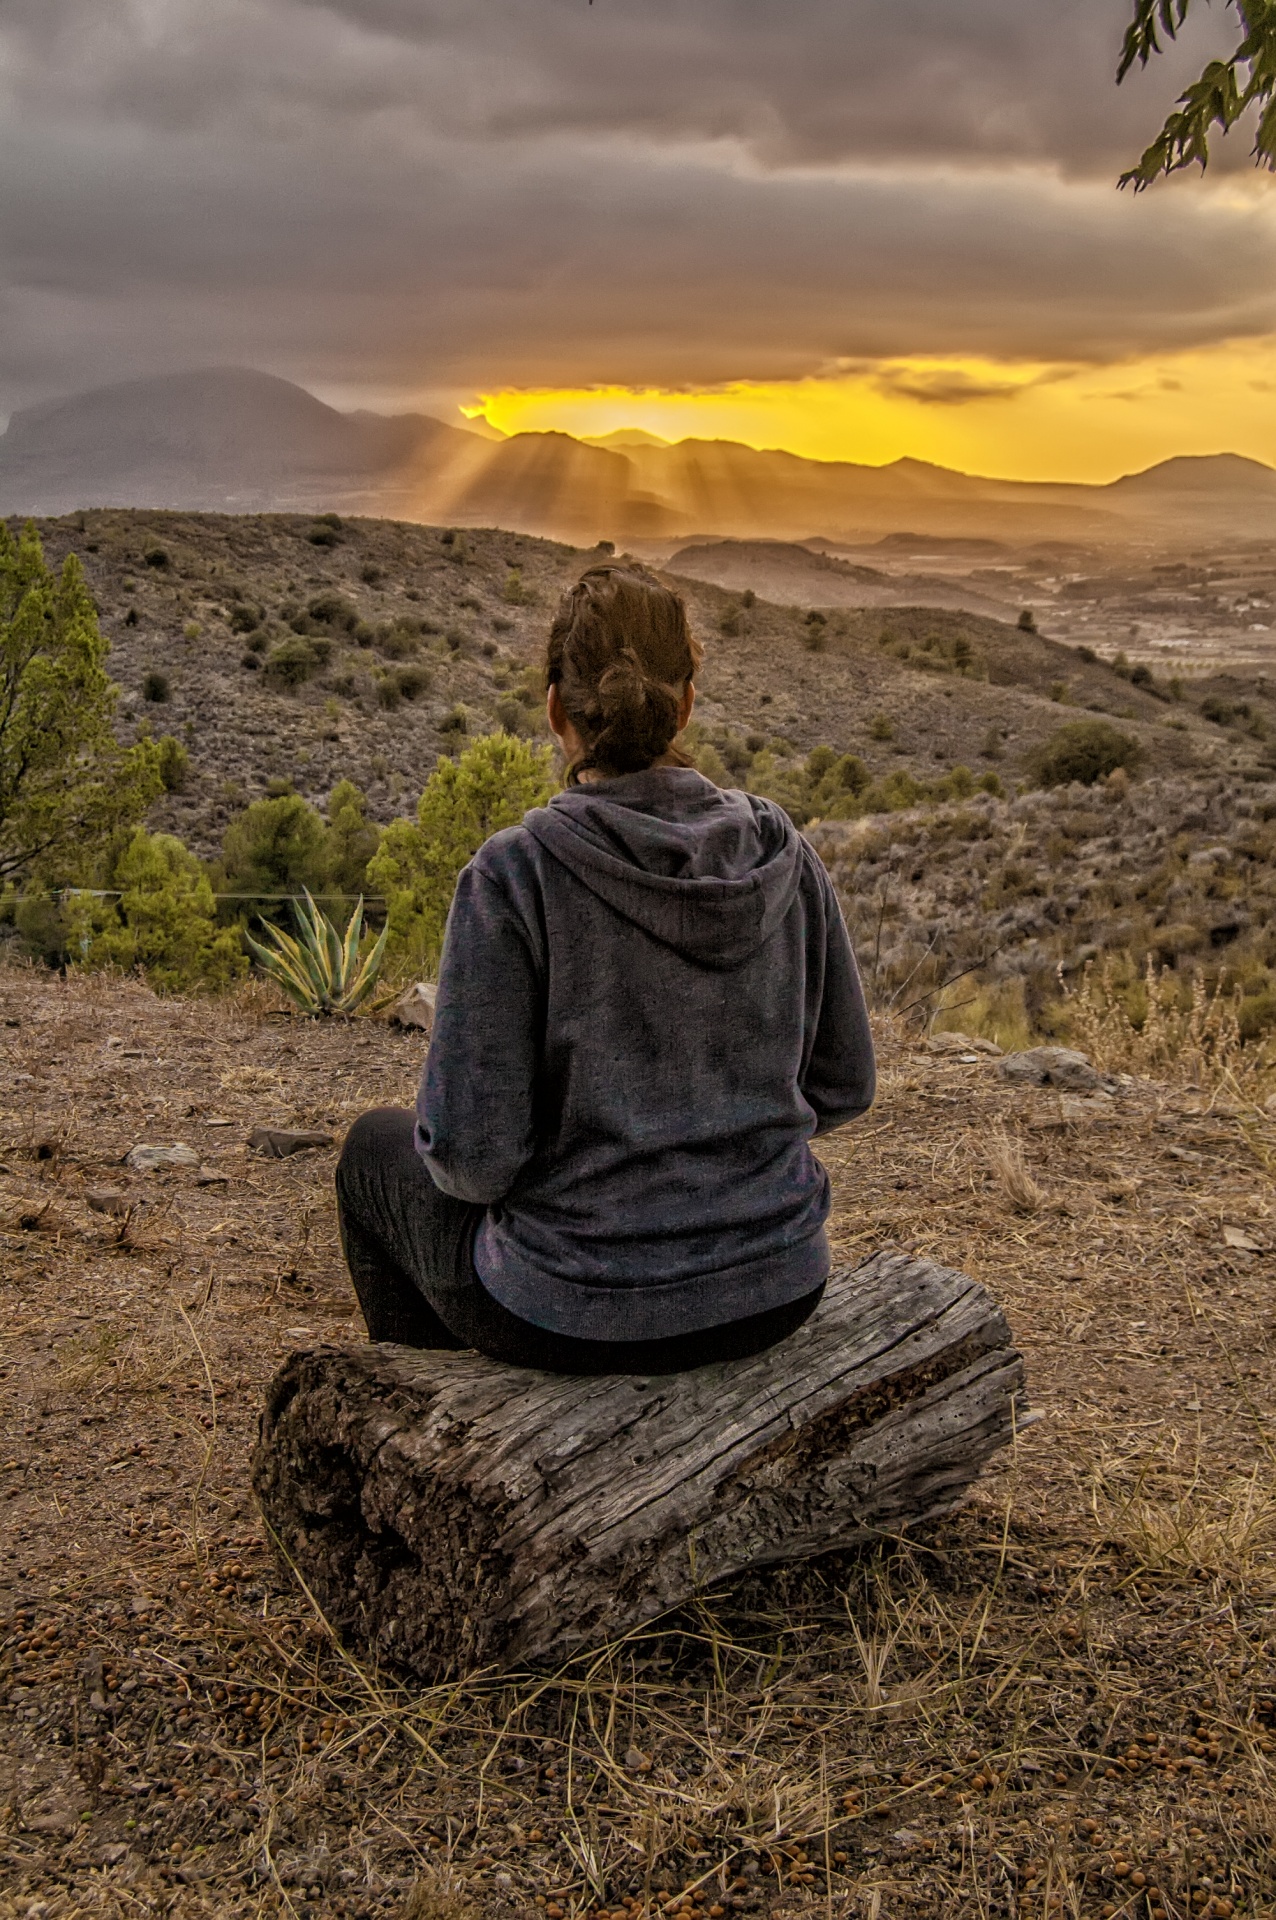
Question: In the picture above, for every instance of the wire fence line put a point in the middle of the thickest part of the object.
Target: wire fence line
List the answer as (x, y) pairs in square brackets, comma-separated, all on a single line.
[(117, 893)]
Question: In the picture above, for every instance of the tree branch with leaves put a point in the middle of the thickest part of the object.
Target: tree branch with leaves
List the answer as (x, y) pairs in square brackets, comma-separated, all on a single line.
[(1216, 100), (67, 787)]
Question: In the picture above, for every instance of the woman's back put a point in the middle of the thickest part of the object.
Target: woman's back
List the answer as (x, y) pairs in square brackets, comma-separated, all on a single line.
[(647, 1005)]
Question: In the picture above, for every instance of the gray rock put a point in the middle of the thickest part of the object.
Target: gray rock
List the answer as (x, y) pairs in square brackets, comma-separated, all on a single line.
[(152, 1159), (107, 1200), (276, 1143), (1050, 1067), (962, 1043), (415, 1007)]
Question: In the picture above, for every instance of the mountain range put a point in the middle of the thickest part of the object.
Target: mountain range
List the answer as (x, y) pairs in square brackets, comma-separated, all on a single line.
[(235, 440)]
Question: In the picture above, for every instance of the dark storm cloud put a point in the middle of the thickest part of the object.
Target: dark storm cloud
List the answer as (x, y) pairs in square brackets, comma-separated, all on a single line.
[(430, 194)]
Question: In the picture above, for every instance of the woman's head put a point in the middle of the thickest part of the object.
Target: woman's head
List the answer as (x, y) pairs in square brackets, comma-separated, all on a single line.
[(621, 659)]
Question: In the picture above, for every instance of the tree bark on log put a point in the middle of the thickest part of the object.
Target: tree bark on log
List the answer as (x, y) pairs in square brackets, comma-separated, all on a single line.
[(456, 1513)]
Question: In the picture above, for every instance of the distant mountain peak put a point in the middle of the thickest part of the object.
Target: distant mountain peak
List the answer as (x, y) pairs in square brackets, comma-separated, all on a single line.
[(624, 437)]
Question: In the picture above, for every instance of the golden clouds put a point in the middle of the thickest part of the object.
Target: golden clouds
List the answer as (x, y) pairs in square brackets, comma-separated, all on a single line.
[(1027, 421)]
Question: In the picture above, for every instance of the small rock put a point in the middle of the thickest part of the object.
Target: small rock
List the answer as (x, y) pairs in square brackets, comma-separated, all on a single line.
[(276, 1143), (1050, 1067), (1242, 1240), (963, 1043), (151, 1159), (636, 1761), (112, 1855), (415, 1007), (211, 1177), (107, 1200)]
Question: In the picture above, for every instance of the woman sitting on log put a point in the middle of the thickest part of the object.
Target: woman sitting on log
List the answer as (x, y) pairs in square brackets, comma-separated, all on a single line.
[(647, 1005)]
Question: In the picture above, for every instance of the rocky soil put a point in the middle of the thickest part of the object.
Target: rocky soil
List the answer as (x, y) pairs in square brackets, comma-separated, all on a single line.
[(1027, 891)]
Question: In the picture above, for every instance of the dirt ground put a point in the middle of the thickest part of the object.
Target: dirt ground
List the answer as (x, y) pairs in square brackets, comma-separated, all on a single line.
[(1061, 1701)]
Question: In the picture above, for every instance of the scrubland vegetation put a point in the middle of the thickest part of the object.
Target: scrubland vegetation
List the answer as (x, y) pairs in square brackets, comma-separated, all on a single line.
[(1062, 1701)]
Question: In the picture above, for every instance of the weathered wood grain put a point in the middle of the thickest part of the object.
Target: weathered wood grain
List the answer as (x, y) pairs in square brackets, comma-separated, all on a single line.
[(456, 1513)]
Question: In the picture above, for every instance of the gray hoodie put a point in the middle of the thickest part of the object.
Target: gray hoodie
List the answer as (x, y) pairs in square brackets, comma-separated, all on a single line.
[(647, 1005)]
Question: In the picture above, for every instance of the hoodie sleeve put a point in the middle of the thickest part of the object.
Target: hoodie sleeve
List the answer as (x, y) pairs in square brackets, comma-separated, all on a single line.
[(840, 1079), (474, 1108)]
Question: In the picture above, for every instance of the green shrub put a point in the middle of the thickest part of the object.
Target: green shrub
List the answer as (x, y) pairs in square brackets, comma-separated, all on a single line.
[(1217, 710), (814, 631), (1257, 1015), (371, 575), (881, 727), (244, 619), (818, 762), (323, 536), (1086, 653), (157, 558), (350, 843), (274, 846), (456, 720), (334, 610), (413, 681), (710, 763), (490, 786), (250, 661), (66, 786), (511, 714), (731, 622), (173, 762), (514, 593), (164, 921), (292, 663), (1084, 750), (1141, 676), (396, 640), (389, 693), (1027, 621), (155, 687)]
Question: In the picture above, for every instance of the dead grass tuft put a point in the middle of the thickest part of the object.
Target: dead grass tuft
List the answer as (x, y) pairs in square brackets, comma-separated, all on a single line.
[(1005, 1161)]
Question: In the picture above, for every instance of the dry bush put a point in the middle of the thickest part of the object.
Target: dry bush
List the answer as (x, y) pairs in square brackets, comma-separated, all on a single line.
[(1197, 1043)]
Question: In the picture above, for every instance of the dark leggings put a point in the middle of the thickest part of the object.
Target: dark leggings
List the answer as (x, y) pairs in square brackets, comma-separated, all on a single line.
[(409, 1250)]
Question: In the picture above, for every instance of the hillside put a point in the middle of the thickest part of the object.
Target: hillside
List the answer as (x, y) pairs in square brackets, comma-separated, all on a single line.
[(230, 438), (418, 640)]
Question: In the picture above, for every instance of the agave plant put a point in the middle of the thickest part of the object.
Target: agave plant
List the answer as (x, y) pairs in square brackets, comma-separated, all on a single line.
[(321, 971)]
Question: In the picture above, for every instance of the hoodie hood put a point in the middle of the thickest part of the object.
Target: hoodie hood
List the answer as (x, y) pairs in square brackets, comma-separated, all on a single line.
[(709, 873)]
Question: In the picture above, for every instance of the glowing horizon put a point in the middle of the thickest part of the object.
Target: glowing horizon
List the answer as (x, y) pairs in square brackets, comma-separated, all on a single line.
[(998, 419)]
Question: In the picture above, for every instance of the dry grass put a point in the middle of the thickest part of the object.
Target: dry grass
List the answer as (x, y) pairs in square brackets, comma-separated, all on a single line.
[(1069, 1685), (1180, 1033), (1006, 1165)]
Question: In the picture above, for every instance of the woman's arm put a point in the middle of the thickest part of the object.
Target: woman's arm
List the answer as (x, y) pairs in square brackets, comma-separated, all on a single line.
[(841, 1074), (474, 1108)]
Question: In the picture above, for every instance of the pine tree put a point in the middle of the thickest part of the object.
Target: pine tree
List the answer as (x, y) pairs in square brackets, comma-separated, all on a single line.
[(465, 801), (67, 787)]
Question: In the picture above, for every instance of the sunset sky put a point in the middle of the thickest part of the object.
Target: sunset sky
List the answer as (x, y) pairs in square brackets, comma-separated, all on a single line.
[(851, 228)]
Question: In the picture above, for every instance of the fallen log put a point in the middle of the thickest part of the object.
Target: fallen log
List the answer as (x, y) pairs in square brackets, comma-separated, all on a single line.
[(455, 1513)]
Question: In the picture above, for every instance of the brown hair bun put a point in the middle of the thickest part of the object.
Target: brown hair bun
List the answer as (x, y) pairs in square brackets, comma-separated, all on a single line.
[(621, 653)]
